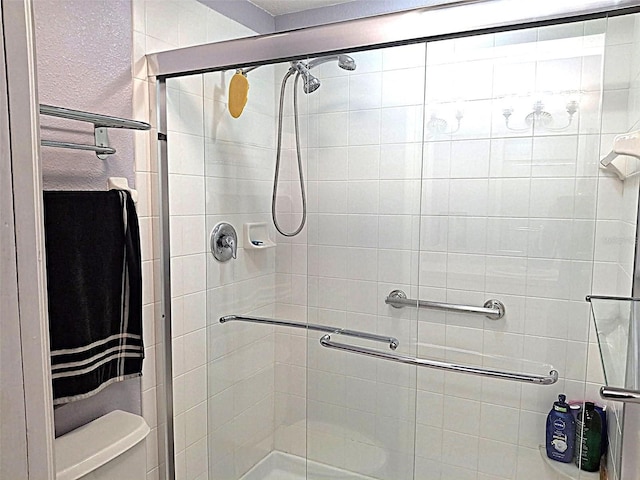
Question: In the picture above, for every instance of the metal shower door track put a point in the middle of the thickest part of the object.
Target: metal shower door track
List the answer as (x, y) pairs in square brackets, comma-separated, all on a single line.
[(452, 19)]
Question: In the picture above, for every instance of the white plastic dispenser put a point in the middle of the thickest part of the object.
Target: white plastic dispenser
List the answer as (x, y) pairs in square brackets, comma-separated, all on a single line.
[(256, 236), (627, 144), (108, 448)]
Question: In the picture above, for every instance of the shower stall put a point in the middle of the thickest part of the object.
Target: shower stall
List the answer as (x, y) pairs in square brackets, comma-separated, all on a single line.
[(414, 222)]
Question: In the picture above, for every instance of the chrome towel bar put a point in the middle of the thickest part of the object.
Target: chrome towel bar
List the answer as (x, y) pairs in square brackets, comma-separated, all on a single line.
[(100, 125), (620, 394), (550, 379), (493, 309), (79, 146), (97, 119), (392, 341)]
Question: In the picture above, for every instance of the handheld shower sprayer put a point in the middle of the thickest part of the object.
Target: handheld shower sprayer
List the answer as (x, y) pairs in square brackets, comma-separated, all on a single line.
[(310, 84)]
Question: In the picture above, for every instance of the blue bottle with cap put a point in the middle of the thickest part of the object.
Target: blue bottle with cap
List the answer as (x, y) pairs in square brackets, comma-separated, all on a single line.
[(561, 431)]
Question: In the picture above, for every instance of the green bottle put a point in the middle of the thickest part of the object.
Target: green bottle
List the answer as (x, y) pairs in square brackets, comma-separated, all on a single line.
[(588, 438)]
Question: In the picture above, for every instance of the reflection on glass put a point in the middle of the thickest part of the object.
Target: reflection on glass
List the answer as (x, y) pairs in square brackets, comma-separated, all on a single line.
[(617, 331)]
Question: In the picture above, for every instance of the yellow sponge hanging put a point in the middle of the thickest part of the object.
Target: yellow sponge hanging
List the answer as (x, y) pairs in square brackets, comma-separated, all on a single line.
[(238, 91)]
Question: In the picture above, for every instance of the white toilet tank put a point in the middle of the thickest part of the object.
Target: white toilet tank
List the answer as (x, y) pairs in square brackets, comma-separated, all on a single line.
[(108, 448)]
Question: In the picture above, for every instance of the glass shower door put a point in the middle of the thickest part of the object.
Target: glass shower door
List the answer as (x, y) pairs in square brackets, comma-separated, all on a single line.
[(365, 134), (459, 171), (510, 177)]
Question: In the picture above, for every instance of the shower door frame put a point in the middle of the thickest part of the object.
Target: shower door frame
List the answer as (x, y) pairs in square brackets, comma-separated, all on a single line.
[(453, 19), (29, 432)]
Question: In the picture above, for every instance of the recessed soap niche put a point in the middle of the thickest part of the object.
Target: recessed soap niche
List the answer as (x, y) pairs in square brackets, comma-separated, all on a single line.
[(256, 236)]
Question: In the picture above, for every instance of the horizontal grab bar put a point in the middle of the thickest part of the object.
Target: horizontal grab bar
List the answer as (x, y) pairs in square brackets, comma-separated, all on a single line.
[(550, 379), (392, 341), (620, 394), (493, 309)]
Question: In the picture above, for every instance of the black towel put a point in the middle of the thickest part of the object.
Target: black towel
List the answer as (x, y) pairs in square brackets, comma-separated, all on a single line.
[(94, 282)]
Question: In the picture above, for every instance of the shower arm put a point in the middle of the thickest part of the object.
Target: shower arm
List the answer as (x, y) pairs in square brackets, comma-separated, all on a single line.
[(246, 70), (309, 65), (319, 61)]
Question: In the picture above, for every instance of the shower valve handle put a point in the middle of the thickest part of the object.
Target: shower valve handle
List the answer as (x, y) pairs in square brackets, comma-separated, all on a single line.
[(224, 242), (228, 241)]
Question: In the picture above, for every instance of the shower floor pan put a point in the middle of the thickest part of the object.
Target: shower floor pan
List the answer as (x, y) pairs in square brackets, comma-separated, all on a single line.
[(282, 466)]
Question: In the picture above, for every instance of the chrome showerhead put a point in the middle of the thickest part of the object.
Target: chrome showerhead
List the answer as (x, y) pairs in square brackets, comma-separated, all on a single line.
[(311, 83), (346, 62)]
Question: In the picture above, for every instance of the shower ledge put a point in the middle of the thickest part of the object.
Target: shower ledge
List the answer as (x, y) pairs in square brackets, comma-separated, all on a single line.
[(567, 470)]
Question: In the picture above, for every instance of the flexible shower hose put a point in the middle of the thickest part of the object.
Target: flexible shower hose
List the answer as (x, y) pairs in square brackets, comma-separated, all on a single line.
[(299, 157)]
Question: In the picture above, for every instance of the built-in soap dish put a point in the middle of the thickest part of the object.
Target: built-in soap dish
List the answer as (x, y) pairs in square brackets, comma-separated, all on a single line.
[(256, 236)]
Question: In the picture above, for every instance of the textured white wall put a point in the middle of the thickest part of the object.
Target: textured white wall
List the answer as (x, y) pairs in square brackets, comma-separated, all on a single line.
[(83, 51)]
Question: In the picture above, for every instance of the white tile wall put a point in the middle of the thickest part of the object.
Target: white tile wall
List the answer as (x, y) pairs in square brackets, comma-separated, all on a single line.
[(240, 357), (203, 140)]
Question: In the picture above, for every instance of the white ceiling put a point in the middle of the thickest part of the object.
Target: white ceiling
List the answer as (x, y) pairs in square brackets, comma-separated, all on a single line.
[(281, 7)]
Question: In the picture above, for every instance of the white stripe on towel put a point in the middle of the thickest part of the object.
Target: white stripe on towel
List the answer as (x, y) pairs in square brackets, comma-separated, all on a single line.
[(86, 361), (93, 367), (124, 299), (67, 351)]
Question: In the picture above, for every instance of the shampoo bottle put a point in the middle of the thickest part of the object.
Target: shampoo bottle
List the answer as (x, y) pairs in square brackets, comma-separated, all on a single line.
[(561, 431), (604, 439), (588, 439)]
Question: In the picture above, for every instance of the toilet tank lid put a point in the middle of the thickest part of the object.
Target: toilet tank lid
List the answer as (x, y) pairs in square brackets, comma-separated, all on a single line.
[(87, 448)]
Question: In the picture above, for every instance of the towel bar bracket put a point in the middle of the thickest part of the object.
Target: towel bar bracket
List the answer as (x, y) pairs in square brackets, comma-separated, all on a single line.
[(102, 140)]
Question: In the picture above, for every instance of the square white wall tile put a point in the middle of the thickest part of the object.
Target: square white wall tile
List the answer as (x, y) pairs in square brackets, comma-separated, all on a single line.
[(364, 127), (402, 87), (407, 56), (468, 197), (365, 90), (470, 158), (511, 157)]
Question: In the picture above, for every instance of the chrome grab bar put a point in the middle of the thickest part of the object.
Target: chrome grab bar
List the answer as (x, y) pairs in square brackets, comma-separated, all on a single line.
[(550, 379), (392, 341), (493, 309), (620, 394)]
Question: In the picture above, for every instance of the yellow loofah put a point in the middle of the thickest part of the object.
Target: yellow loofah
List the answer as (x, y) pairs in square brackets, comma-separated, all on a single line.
[(238, 91)]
